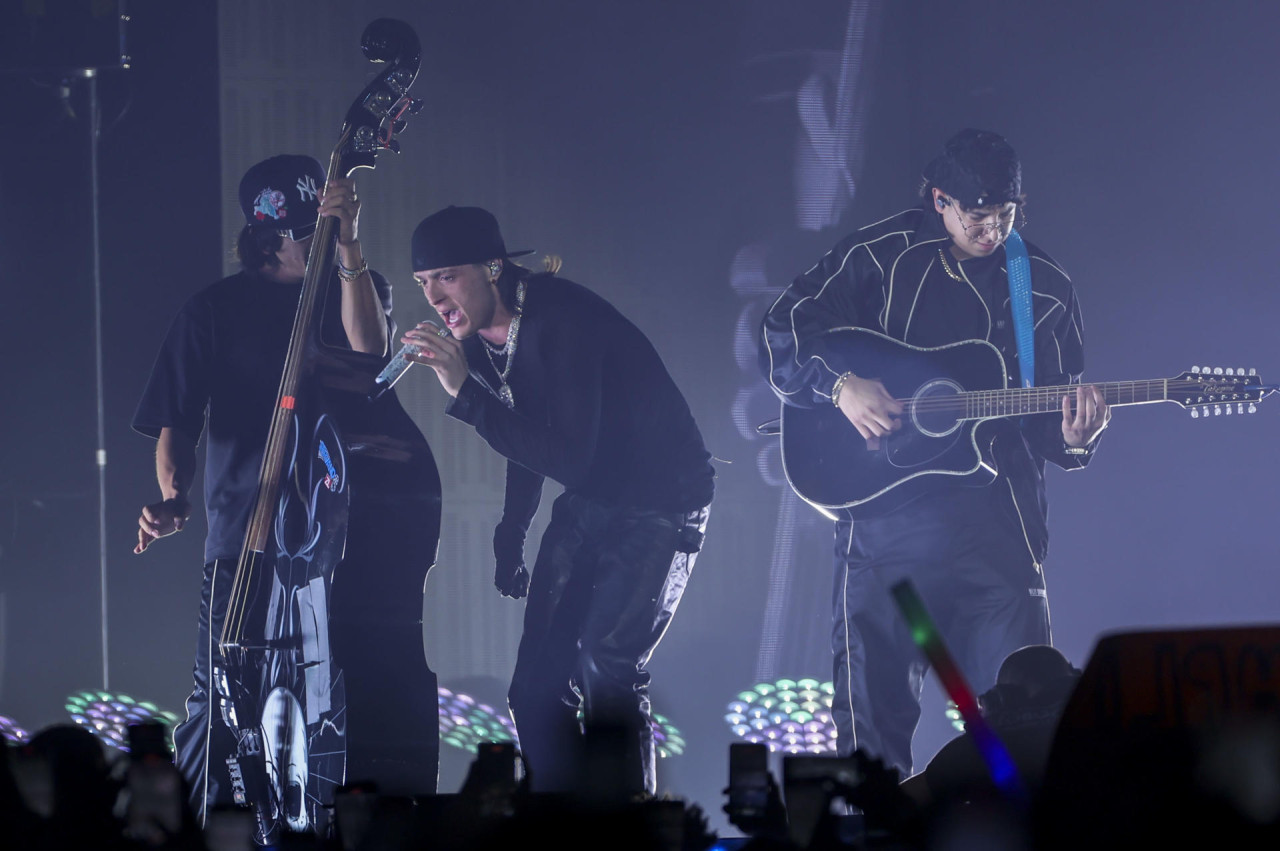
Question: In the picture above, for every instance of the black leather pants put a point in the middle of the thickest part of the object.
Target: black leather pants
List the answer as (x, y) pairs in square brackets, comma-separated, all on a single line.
[(203, 742), (605, 586), (966, 554)]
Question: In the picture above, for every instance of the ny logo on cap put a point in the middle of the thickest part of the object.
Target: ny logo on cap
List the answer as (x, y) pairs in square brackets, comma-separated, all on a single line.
[(307, 186)]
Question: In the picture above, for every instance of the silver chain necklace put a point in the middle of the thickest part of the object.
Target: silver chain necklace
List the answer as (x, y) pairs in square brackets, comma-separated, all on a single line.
[(508, 348)]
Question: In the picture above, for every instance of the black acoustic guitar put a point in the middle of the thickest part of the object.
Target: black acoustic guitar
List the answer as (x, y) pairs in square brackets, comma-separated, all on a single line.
[(952, 397)]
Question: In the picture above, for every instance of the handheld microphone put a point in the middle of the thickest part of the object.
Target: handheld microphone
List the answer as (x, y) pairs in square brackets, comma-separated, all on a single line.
[(400, 364)]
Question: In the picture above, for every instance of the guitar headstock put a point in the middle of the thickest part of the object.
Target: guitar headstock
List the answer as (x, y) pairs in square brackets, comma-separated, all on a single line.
[(379, 113), (1215, 391)]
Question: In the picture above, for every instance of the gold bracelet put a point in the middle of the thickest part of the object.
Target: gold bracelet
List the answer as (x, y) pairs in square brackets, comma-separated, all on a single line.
[(349, 275), (835, 389)]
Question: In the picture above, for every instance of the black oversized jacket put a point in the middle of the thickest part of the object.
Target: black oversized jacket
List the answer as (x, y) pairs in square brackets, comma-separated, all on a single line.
[(888, 277)]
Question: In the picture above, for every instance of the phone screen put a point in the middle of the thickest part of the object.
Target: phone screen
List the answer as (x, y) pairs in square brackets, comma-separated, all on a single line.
[(748, 778)]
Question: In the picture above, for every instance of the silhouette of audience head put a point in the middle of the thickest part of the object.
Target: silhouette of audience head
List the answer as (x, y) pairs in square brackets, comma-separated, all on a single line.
[(1032, 687)]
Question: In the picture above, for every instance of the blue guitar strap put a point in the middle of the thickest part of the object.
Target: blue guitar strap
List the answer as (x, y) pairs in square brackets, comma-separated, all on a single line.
[(1024, 328)]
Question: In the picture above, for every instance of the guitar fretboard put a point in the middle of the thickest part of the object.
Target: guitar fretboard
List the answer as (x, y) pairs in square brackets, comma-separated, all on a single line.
[(1042, 400), (1014, 402)]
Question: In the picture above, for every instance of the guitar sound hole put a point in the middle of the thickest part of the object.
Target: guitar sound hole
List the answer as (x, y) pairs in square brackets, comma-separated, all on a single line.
[(934, 411)]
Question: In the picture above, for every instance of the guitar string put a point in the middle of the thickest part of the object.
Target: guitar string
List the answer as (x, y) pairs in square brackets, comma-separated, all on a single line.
[(1019, 401)]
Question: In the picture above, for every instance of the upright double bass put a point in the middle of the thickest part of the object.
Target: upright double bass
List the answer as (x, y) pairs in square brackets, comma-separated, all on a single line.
[(320, 674)]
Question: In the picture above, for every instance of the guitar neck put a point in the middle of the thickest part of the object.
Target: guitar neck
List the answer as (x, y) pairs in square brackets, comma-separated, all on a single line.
[(1016, 402)]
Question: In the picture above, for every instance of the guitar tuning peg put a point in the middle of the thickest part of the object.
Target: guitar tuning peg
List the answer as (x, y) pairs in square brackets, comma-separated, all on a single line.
[(1230, 371), (1228, 409), (1204, 411), (1217, 370), (1206, 370), (1239, 370), (1253, 409), (1253, 371), (1195, 370), (1217, 410), (1195, 413), (1240, 407)]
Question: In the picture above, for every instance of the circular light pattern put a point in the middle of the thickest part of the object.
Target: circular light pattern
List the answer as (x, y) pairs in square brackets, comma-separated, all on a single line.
[(465, 723), (108, 716), (792, 716), (666, 738), (10, 730)]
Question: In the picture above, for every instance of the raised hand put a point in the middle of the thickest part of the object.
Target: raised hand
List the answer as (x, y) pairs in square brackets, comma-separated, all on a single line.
[(439, 350)]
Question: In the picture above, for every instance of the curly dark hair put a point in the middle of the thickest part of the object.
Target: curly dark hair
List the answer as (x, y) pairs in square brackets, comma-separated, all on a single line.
[(256, 247)]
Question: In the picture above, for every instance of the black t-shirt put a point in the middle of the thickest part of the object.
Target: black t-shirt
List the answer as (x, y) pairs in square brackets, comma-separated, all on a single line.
[(219, 370), (595, 408)]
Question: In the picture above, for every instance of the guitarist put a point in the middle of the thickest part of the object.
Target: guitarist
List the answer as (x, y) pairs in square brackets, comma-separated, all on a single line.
[(929, 276), (218, 372)]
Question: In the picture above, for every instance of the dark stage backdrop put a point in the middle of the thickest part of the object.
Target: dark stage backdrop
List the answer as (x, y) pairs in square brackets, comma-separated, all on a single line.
[(686, 160)]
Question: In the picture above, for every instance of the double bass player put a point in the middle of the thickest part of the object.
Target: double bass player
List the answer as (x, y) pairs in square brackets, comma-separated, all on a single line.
[(217, 373)]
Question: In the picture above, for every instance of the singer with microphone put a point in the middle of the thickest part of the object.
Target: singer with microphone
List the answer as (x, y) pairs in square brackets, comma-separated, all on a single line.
[(564, 386)]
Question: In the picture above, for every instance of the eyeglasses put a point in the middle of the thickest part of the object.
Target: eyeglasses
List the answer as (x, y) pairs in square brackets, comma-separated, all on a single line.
[(299, 233), (1002, 223)]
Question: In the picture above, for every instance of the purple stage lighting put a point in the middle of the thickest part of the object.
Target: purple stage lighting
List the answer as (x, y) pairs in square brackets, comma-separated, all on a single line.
[(11, 732), (108, 716), (792, 716)]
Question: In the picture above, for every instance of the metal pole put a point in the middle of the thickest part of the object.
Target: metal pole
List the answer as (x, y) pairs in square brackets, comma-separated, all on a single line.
[(91, 74)]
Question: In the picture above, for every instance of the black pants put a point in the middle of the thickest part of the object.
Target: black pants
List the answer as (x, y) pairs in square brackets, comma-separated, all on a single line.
[(965, 552), (203, 741), (605, 586)]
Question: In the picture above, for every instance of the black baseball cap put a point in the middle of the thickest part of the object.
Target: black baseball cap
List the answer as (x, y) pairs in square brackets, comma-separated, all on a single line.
[(458, 236), (978, 168), (283, 192)]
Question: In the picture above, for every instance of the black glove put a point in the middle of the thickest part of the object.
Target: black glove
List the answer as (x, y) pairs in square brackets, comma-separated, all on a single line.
[(510, 576)]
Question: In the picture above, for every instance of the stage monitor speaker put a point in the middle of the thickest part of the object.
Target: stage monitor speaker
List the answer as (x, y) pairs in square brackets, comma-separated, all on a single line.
[(53, 37), (1176, 680), (1168, 736)]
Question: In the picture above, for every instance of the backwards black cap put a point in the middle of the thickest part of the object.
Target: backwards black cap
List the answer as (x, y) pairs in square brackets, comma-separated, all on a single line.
[(978, 168), (458, 236)]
